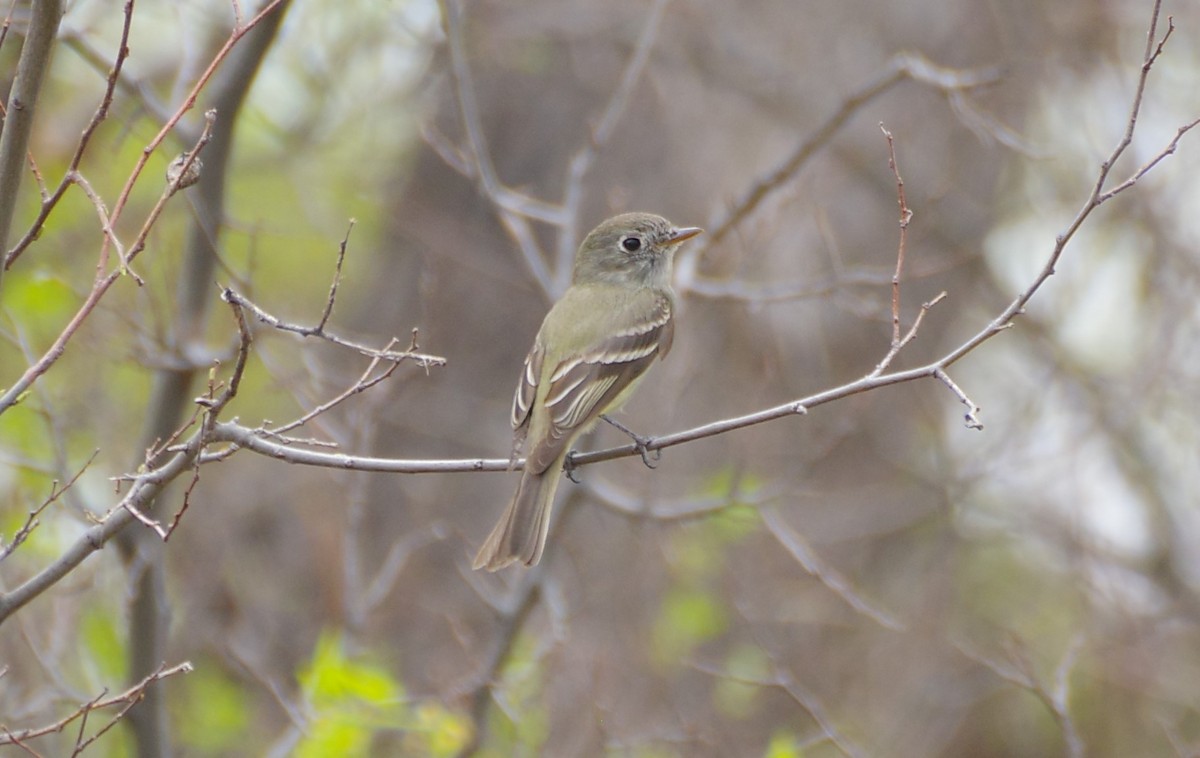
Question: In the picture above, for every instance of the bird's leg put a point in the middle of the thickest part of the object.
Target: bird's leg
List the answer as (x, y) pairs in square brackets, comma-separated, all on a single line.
[(569, 467), (641, 442)]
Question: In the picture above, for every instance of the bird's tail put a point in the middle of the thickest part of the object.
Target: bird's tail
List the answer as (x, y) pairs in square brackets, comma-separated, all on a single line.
[(520, 535)]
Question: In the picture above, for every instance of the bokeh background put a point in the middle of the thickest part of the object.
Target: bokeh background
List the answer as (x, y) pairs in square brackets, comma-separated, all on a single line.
[(874, 578)]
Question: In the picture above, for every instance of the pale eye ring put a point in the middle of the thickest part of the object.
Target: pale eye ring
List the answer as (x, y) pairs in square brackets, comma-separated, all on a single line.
[(631, 244)]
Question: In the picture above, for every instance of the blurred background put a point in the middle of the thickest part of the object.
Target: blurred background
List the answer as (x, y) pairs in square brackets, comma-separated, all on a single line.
[(874, 578)]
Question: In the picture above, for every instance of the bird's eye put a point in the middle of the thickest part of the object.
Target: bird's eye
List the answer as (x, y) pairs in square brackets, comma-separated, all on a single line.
[(631, 244)]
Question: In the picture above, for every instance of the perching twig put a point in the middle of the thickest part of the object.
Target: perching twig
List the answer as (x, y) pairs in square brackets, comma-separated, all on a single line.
[(253, 440), (826, 575)]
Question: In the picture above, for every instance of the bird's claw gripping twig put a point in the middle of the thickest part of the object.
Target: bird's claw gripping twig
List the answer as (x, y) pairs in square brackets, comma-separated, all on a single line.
[(642, 443), (569, 467)]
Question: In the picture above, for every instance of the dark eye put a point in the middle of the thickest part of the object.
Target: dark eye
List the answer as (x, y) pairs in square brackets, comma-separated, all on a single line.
[(631, 244)]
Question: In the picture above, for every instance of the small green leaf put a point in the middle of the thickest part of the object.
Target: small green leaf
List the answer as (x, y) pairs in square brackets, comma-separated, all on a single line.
[(687, 618), (438, 731), (212, 714), (333, 678), (105, 648), (351, 701), (783, 745), (738, 698), (523, 722)]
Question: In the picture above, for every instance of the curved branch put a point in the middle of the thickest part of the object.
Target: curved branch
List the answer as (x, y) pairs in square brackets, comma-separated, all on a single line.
[(256, 441)]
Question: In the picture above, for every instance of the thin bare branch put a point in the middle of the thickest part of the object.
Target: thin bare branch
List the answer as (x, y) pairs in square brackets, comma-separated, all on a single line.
[(1150, 164), (175, 180), (31, 521), (583, 160), (761, 294), (32, 65), (127, 82), (971, 417), (505, 198), (826, 575), (783, 680), (386, 353), (1019, 670), (76, 178), (337, 279), (103, 282), (902, 67), (908, 337), (366, 381), (125, 700), (905, 217), (49, 202)]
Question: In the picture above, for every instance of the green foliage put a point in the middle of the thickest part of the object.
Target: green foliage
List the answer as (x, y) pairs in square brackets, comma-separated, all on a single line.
[(211, 712), (687, 618), (527, 728), (783, 745), (738, 520), (437, 731), (691, 612), (1008, 589), (1017, 722), (103, 645), (23, 489), (738, 698), (355, 704), (40, 301), (646, 751), (350, 699), (698, 553)]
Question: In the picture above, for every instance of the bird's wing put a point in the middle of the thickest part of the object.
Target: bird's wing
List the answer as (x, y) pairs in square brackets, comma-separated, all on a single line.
[(584, 385), (527, 386)]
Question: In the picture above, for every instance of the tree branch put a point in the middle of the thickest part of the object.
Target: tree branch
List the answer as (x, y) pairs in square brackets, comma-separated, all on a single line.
[(50, 201), (126, 699), (22, 106)]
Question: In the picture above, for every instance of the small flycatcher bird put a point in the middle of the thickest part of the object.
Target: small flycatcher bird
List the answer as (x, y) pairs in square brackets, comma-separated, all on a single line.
[(593, 349)]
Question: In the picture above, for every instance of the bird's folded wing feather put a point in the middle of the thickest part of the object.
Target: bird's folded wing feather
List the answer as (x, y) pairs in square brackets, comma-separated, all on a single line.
[(527, 387), (584, 385)]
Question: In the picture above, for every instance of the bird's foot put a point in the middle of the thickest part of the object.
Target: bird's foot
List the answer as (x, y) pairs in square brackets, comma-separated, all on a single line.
[(642, 443), (569, 467)]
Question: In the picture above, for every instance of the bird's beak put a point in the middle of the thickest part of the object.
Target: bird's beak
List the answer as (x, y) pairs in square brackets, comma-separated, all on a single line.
[(682, 235)]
